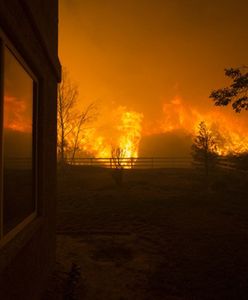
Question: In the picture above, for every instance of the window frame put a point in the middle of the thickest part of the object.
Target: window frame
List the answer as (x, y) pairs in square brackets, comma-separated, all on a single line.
[(6, 44)]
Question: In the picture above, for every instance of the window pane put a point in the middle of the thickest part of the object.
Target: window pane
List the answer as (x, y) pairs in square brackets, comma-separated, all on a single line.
[(18, 198)]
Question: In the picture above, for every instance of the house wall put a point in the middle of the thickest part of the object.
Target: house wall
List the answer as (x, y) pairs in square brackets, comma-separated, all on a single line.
[(27, 259)]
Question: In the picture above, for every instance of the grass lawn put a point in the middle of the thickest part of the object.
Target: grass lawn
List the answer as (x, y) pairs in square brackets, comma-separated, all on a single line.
[(162, 234)]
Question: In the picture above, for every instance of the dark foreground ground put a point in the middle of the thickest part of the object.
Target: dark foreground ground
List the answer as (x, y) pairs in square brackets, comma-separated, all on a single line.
[(163, 234)]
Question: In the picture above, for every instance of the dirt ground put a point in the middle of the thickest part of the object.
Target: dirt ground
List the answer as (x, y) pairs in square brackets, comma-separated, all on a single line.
[(162, 234)]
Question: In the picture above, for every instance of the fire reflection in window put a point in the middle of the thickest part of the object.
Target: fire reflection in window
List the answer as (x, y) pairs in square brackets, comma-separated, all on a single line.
[(18, 181)]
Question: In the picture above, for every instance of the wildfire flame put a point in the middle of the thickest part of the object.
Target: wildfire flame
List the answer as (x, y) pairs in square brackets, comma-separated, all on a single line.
[(123, 130), (231, 133), (130, 129)]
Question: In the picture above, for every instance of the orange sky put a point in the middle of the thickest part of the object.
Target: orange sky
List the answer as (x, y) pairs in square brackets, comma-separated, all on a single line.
[(143, 54)]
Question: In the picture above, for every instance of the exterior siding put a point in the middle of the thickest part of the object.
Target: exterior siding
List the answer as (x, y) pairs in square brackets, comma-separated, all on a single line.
[(25, 262)]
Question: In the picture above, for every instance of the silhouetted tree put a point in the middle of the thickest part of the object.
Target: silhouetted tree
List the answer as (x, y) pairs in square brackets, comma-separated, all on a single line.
[(236, 93), (204, 147), (117, 155), (86, 116), (67, 98), (70, 120)]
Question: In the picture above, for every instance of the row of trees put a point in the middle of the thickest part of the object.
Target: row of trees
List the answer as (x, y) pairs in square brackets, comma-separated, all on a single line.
[(72, 119), (204, 148)]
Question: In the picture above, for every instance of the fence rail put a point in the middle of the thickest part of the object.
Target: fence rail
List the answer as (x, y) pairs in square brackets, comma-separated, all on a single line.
[(132, 162), (147, 162), (135, 163)]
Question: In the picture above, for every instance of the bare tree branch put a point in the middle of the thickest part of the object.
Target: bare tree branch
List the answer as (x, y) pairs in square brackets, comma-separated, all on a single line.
[(70, 120)]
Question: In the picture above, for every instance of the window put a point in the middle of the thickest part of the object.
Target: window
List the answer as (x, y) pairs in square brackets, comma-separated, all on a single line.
[(18, 146)]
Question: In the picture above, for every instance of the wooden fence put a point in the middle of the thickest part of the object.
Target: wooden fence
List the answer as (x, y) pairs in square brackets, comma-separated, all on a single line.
[(135, 163), (129, 163), (147, 162)]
